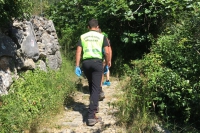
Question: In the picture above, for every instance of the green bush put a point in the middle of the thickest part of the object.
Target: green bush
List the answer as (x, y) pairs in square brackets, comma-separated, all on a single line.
[(34, 94), (129, 24), (10, 9), (166, 81), (156, 90), (40, 6), (163, 82), (179, 50)]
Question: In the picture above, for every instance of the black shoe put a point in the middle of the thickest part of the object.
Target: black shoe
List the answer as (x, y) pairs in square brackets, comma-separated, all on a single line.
[(92, 122), (101, 96)]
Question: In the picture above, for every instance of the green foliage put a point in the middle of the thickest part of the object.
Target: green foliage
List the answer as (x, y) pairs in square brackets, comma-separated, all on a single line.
[(40, 6), (130, 25), (34, 94), (66, 17), (166, 81), (10, 9), (179, 49), (154, 89)]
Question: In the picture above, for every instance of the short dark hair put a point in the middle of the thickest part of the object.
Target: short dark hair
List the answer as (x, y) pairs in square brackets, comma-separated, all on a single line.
[(93, 23)]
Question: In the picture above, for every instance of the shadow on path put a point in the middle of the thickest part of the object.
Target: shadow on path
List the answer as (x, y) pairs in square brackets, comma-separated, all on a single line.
[(82, 88), (82, 109)]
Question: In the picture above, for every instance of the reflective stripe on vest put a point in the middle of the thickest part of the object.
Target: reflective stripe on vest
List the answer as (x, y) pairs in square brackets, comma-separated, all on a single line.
[(92, 43)]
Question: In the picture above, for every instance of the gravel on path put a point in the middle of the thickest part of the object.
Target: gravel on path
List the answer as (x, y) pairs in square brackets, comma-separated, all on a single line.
[(73, 117)]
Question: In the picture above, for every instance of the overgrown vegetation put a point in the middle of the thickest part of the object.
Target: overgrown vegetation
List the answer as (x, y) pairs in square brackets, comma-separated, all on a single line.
[(22, 9), (166, 81), (34, 95), (40, 6), (154, 42), (11, 9)]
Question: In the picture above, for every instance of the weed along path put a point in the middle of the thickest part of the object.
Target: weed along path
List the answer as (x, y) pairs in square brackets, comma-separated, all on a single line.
[(73, 117)]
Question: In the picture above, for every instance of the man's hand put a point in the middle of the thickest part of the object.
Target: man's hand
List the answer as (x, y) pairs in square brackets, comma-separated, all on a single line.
[(109, 64), (78, 71)]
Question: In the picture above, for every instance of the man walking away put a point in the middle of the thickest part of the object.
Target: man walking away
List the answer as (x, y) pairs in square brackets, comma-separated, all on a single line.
[(90, 46)]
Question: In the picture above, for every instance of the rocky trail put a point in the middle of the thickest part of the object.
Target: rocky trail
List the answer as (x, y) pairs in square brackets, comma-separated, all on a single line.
[(73, 117)]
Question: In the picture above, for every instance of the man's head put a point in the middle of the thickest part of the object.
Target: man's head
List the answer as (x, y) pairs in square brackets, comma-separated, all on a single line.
[(93, 23)]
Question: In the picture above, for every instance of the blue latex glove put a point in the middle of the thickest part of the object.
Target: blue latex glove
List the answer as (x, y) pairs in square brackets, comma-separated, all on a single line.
[(106, 68), (78, 71)]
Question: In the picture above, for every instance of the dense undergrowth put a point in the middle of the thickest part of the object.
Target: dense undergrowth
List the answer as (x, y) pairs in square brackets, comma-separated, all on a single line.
[(155, 43), (33, 96), (164, 85)]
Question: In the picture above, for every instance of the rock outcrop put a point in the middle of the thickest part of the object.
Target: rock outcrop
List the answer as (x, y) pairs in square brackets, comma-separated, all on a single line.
[(28, 45)]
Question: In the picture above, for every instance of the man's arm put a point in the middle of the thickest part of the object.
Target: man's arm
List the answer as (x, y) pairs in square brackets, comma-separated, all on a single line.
[(110, 49), (78, 55), (107, 56), (106, 51)]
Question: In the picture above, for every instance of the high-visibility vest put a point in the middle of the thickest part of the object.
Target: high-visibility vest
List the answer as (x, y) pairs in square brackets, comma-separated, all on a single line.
[(92, 43)]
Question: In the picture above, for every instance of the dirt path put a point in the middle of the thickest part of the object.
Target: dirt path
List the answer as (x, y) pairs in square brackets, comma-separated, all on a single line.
[(73, 118)]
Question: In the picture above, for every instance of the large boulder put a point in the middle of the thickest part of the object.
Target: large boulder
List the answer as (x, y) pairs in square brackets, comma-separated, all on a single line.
[(28, 45), (7, 46)]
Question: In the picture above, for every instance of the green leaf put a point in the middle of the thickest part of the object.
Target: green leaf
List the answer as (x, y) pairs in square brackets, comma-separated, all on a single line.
[(147, 11), (2, 1)]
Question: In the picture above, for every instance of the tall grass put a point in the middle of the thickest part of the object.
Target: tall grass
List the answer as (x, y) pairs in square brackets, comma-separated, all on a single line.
[(35, 94)]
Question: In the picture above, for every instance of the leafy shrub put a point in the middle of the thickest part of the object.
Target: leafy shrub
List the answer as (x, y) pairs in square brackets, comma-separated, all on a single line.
[(127, 23), (40, 6), (154, 89), (35, 93), (166, 81), (10, 9), (179, 50)]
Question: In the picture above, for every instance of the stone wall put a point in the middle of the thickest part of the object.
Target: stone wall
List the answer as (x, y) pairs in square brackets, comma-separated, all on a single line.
[(27, 45)]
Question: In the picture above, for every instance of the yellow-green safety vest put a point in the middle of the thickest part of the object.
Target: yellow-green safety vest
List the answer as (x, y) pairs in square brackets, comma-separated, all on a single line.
[(92, 43)]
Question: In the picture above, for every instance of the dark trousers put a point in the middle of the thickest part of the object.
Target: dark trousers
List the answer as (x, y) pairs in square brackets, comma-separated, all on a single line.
[(93, 69)]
